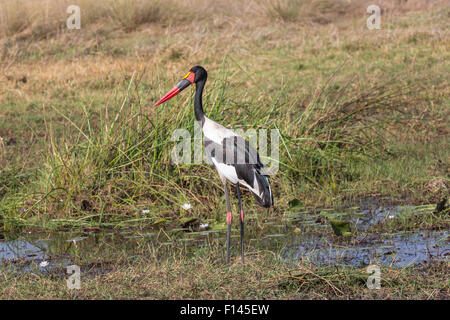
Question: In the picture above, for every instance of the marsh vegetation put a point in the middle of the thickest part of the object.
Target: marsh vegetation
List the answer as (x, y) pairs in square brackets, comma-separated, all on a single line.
[(362, 114)]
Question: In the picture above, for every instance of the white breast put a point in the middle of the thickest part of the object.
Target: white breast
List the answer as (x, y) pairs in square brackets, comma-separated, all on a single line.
[(216, 132)]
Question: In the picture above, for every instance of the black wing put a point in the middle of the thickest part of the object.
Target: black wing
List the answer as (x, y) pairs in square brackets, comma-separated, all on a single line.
[(236, 151)]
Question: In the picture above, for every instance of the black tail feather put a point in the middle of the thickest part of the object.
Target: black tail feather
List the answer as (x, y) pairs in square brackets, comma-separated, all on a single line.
[(266, 198)]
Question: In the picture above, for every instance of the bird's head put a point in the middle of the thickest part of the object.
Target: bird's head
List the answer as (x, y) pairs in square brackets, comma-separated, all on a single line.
[(195, 75)]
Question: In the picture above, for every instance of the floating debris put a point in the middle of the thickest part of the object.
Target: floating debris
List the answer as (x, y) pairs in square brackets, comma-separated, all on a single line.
[(441, 206), (187, 222), (341, 228)]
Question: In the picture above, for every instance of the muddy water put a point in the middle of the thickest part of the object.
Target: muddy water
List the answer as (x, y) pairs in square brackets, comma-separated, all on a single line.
[(295, 237)]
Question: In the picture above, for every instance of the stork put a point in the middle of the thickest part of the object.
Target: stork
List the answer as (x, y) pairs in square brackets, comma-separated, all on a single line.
[(233, 157)]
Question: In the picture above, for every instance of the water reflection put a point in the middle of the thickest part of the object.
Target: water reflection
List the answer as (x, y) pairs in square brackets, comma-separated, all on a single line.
[(312, 240)]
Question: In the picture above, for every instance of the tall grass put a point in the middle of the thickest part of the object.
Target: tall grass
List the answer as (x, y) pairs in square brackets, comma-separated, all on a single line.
[(107, 153), (24, 19), (131, 14), (125, 158), (331, 11), (44, 18), (322, 11), (120, 160)]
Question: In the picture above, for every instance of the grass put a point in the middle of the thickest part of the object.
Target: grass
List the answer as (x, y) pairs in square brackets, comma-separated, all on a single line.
[(351, 112), (318, 11), (361, 113), (202, 275), (415, 219), (42, 19)]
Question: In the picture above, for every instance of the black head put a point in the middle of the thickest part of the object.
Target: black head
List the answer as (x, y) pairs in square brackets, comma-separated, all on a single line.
[(195, 75), (200, 73)]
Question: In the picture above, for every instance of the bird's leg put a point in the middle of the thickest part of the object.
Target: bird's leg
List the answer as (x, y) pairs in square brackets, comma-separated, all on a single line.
[(242, 221), (227, 197)]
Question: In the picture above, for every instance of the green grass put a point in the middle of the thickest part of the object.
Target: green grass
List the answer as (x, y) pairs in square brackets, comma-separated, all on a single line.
[(415, 218), (360, 113)]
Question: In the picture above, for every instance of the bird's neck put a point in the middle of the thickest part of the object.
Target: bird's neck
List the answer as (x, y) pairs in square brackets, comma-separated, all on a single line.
[(198, 105)]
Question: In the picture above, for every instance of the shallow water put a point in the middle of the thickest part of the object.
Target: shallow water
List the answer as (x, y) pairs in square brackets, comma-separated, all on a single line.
[(398, 250), (297, 236)]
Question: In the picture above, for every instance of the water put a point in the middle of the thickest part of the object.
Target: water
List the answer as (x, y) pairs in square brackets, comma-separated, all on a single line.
[(22, 249), (297, 237), (400, 250)]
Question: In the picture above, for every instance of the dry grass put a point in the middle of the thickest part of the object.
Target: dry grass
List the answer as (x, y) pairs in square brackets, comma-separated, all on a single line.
[(203, 276), (132, 14), (22, 19), (320, 11)]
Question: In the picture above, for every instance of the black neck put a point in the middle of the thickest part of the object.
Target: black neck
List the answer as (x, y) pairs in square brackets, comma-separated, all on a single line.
[(198, 105)]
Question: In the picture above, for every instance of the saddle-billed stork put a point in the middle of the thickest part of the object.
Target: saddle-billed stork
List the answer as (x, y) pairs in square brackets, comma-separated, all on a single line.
[(233, 157)]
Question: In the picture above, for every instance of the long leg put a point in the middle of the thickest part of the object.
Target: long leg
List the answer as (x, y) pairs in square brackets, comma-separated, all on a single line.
[(242, 221), (229, 217)]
